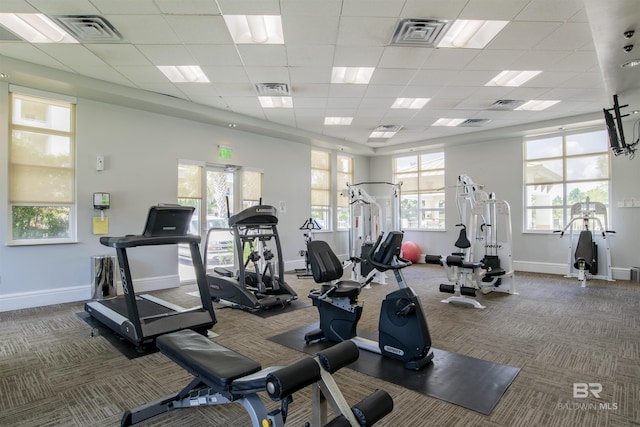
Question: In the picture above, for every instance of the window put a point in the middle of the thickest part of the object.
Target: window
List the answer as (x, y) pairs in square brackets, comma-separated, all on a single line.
[(251, 188), (560, 171), (42, 169), (344, 176), (422, 199), (321, 188)]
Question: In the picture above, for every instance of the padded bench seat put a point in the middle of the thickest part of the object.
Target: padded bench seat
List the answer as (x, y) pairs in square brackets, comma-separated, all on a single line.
[(216, 365), (458, 261)]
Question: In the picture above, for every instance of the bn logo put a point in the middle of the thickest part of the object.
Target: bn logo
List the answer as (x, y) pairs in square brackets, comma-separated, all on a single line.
[(582, 390)]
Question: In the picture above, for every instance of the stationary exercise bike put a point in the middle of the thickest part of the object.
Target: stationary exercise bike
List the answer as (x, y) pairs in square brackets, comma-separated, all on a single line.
[(403, 331)]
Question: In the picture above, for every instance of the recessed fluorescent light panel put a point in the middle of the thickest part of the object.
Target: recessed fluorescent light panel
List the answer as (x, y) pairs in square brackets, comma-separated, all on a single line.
[(184, 73), (410, 103), (448, 122), (276, 101), (471, 34), (537, 105), (352, 75), (341, 121), (256, 29), (512, 78), (35, 28)]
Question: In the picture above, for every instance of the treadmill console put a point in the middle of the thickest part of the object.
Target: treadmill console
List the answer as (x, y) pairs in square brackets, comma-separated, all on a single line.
[(168, 220)]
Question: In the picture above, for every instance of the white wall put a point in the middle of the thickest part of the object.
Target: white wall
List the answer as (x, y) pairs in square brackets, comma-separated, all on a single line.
[(141, 151)]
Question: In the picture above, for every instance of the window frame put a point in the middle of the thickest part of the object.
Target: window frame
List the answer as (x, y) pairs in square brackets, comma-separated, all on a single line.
[(565, 182), (346, 209), (50, 99)]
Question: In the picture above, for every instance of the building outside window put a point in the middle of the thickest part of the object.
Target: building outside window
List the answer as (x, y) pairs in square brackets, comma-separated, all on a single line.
[(422, 202), (561, 170)]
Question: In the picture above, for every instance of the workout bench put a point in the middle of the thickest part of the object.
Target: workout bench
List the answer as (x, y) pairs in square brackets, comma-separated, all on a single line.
[(223, 376)]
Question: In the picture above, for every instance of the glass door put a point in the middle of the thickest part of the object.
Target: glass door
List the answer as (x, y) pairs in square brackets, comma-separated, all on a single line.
[(212, 193)]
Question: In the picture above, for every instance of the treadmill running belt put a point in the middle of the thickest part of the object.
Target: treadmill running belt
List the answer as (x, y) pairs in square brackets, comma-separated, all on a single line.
[(145, 308)]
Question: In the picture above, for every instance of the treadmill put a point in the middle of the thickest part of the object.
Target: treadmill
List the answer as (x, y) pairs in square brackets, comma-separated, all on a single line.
[(142, 318)]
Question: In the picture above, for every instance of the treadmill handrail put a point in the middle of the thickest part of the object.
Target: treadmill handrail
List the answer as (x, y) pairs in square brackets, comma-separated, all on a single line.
[(140, 240)]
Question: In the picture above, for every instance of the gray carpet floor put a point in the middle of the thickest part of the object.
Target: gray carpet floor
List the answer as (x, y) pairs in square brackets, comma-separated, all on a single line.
[(54, 373)]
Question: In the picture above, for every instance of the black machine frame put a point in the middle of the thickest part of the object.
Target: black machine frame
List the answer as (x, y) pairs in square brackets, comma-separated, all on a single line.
[(142, 318), (264, 288)]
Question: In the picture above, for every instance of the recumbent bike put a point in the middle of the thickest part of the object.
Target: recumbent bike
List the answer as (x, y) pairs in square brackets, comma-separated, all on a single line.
[(402, 331)]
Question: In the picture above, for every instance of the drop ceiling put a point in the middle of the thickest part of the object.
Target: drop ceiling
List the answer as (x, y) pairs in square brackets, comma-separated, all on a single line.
[(576, 44)]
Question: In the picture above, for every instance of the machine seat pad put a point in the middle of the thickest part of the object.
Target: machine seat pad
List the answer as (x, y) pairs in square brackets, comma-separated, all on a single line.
[(458, 261), (495, 272), (216, 365), (344, 289)]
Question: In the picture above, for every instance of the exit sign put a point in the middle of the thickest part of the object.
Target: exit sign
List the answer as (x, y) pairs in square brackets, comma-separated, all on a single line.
[(224, 153)]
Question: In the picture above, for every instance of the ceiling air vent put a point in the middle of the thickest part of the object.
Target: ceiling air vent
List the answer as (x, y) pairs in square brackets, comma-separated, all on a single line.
[(89, 28), (471, 123), (505, 105), (418, 32), (272, 89), (388, 128)]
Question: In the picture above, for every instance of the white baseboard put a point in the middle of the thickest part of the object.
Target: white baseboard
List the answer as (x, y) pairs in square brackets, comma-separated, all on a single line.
[(18, 301)]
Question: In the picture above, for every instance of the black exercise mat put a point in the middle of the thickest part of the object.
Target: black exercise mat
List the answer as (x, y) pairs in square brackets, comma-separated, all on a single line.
[(127, 348), (465, 381)]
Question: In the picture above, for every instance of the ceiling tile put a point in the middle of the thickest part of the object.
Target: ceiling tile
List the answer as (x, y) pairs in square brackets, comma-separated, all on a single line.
[(404, 57), (119, 54), (392, 76), (570, 36), (64, 7), (167, 54), (268, 74), (144, 29), (141, 74), (301, 75), (521, 36), (502, 10), (249, 7), (309, 55), (268, 55), (226, 74), (449, 9), (215, 54), (311, 7), (191, 7), (302, 30), (192, 29), (550, 10), (26, 52), (126, 7), (361, 56), (356, 31), (372, 7)]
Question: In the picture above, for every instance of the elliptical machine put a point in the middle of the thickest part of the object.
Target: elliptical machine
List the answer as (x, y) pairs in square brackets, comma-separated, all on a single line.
[(403, 331), (264, 287)]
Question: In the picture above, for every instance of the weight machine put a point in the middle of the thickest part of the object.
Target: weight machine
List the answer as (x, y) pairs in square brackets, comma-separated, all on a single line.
[(483, 263), (368, 219), (590, 218)]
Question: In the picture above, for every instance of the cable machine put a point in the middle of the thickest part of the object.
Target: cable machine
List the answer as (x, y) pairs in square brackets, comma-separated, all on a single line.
[(586, 247)]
